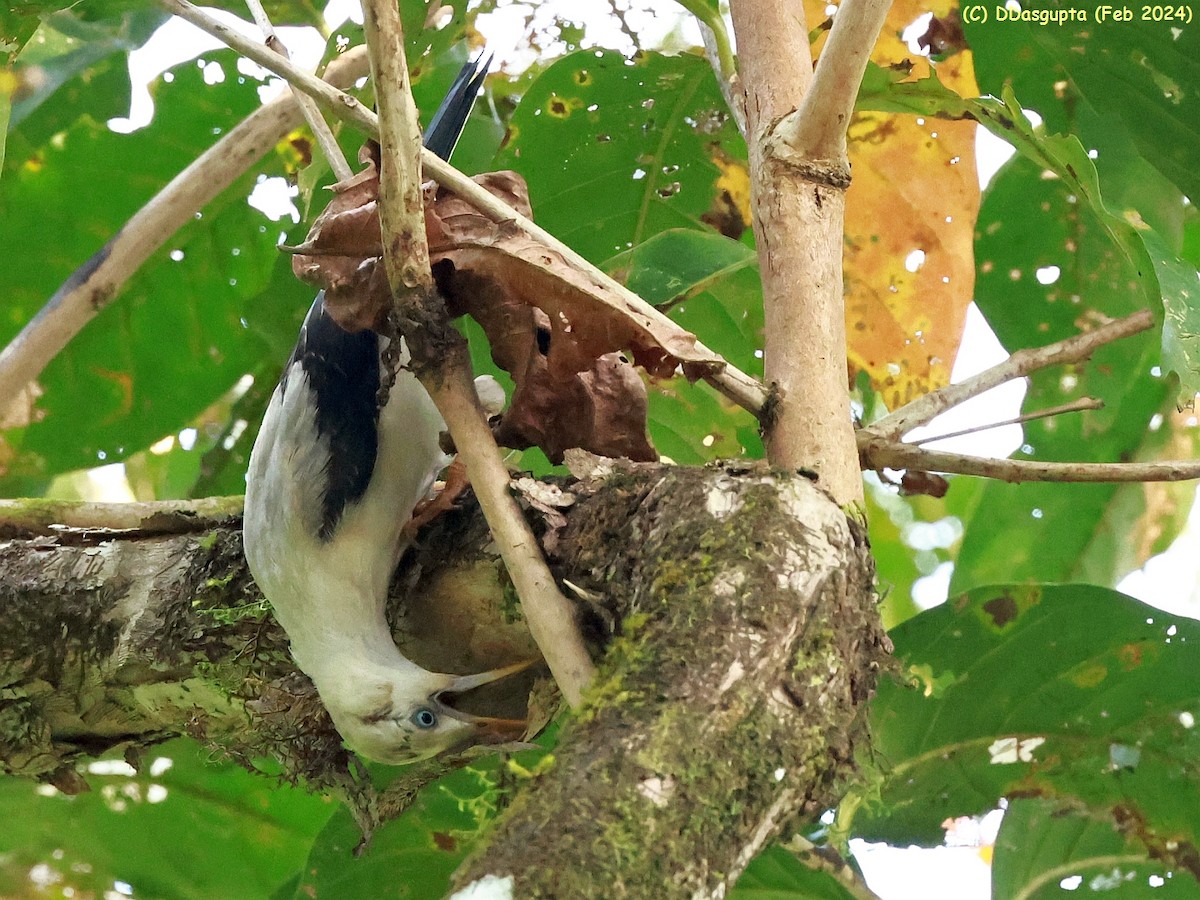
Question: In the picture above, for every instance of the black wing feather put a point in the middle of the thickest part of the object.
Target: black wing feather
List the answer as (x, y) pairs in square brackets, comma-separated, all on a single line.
[(446, 125), (343, 375)]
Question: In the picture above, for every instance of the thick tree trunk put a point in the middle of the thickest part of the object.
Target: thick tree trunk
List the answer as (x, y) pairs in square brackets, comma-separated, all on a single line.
[(729, 702), (737, 605)]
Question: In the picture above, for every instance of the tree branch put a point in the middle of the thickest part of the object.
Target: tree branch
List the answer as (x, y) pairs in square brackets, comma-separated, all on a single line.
[(729, 707), (95, 283), (26, 518), (118, 639), (799, 225), (1018, 365), (880, 447), (312, 115), (441, 362), (817, 131), (882, 453), (756, 636)]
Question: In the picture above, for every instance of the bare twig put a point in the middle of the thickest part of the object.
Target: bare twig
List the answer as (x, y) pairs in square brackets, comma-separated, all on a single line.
[(1081, 405), (739, 387), (312, 115), (94, 284), (1018, 365), (817, 131), (881, 453), (549, 614)]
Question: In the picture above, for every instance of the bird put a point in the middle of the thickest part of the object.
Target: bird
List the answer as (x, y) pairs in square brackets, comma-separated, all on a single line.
[(332, 480)]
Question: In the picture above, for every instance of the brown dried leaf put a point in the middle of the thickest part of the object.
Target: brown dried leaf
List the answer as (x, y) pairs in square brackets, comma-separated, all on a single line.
[(556, 330), (587, 317), (343, 254)]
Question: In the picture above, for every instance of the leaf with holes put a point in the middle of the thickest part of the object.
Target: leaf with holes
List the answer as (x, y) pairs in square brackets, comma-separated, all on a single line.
[(1139, 75), (616, 150), (1046, 848), (1048, 268), (1066, 692)]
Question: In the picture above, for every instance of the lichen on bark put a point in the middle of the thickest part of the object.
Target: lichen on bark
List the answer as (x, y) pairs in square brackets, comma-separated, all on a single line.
[(730, 699)]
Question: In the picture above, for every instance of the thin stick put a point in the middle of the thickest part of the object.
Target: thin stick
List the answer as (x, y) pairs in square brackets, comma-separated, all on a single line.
[(1080, 405), (549, 614), (95, 283), (1018, 365), (880, 453), (739, 387), (312, 115)]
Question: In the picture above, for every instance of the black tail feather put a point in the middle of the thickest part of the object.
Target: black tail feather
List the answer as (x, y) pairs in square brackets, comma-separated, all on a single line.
[(447, 123)]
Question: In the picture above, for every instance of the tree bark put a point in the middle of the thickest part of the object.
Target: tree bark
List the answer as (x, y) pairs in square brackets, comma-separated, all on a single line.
[(729, 701), (798, 207), (737, 606)]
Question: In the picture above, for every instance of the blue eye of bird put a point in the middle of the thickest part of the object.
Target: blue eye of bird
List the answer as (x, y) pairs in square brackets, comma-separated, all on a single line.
[(424, 718)]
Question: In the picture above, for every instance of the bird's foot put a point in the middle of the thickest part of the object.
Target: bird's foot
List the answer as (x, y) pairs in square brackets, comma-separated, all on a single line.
[(444, 500)]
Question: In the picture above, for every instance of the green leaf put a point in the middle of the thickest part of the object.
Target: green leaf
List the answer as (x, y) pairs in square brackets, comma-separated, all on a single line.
[(412, 856), (82, 66), (1067, 692), (67, 50), (776, 874), (709, 284), (195, 318), (675, 265), (1139, 75), (1043, 845), (199, 829), (691, 424), (617, 150), (1032, 228), (16, 28), (1157, 273)]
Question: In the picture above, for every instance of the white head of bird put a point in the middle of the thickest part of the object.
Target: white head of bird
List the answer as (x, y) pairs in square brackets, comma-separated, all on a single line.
[(404, 714)]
